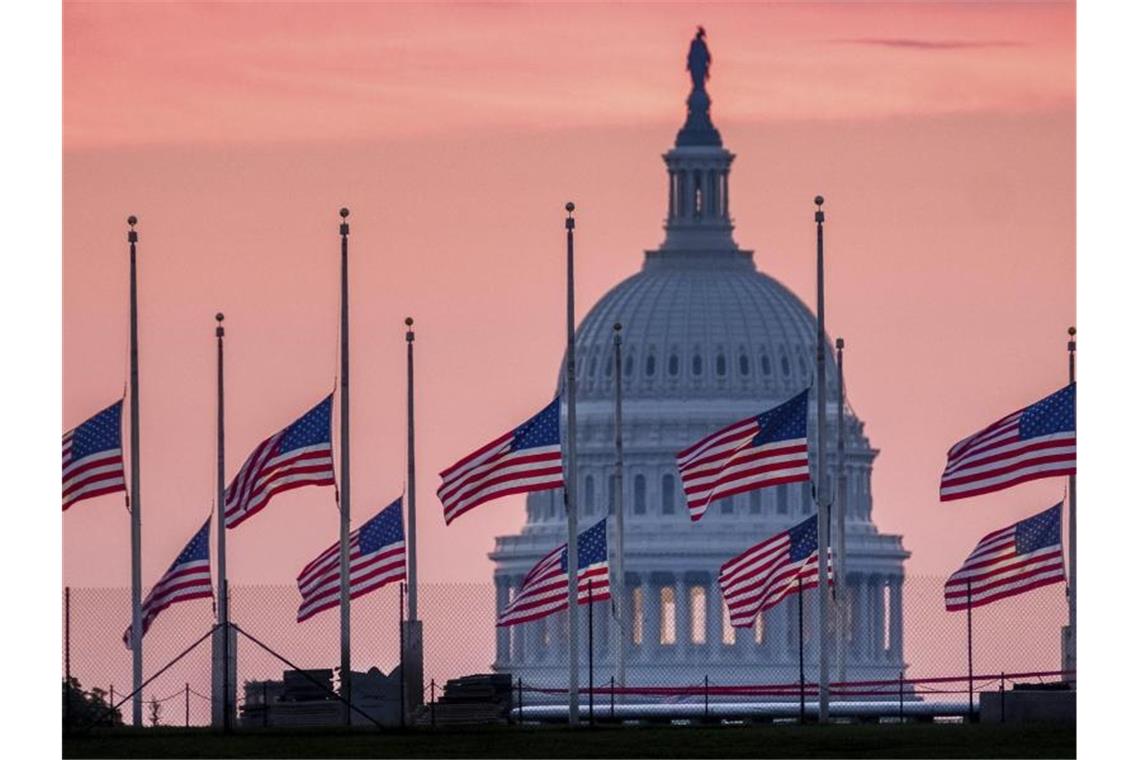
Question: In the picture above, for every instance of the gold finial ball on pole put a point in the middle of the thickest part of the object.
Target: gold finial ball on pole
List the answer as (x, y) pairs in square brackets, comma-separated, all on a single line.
[(1072, 331), (819, 200), (570, 207), (409, 335), (132, 220), (220, 331), (839, 343), (408, 321), (344, 213), (617, 326), (219, 316)]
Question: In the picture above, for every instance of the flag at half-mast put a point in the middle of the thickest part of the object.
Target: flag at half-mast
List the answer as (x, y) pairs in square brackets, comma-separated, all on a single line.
[(765, 450), (300, 455), (1010, 561), (375, 558), (528, 458), (93, 457), (1039, 441), (188, 577), (769, 571), (546, 588)]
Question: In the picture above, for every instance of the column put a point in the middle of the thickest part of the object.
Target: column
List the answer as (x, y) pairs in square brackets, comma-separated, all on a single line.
[(633, 650), (502, 635), (724, 203), (683, 619), (896, 653), (714, 620), (877, 617), (712, 195), (652, 628), (672, 194)]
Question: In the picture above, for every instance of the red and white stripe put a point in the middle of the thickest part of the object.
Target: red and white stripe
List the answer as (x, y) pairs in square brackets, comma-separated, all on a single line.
[(319, 581), (544, 589), (763, 575), (724, 464), (997, 457), (496, 470), (266, 474), (994, 570), (93, 475), (187, 581)]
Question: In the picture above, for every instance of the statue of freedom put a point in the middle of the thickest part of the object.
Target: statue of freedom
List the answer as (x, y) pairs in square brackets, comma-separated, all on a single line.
[(699, 60)]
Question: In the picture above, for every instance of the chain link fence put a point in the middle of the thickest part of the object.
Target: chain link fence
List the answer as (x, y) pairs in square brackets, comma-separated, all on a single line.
[(1017, 635)]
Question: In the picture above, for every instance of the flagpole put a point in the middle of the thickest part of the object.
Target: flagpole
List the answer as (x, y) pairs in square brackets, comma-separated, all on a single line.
[(570, 486), (1071, 649), (223, 595), (413, 634), (841, 526), (590, 639), (410, 487), (800, 598), (821, 491), (619, 514), (135, 499), (345, 502), (970, 646)]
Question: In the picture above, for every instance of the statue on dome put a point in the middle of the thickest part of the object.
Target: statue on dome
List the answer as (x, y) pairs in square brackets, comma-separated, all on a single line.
[(699, 60)]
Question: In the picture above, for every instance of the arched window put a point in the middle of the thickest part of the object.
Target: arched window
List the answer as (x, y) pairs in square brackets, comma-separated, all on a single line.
[(697, 366), (765, 364), (782, 499), (744, 368), (639, 505), (668, 494), (628, 369), (650, 365), (787, 368), (609, 369), (593, 363), (589, 494), (726, 505), (697, 606), (637, 629), (759, 628), (754, 502), (805, 498), (674, 365), (669, 622), (721, 365)]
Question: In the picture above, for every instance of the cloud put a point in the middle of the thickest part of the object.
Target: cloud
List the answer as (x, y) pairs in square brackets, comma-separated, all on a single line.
[(910, 43)]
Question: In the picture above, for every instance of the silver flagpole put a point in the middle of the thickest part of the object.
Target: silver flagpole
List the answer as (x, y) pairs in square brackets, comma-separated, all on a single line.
[(135, 498), (412, 668), (571, 473), (823, 523), (842, 611), (222, 667), (345, 503), (619, 516), (1071, 649)]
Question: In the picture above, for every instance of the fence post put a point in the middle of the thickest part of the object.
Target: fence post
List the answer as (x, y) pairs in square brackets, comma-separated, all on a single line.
[(264, 703), (520, 701), (67, 657), (900, 696), (1002, 692), (612, 683), (403, 695), (186, 693), (433, 703), (706, 698)]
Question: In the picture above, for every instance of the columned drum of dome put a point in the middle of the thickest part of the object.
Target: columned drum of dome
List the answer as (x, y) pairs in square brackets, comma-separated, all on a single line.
[(707, 339)]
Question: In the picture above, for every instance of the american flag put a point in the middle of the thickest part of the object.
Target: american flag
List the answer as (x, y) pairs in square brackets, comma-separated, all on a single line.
[(299, 455), (93, 457), (1010, 561), (528, 458), (188, 577), (771, 570), (375, 558), (545, 589), (1039, 441), (765, 450)]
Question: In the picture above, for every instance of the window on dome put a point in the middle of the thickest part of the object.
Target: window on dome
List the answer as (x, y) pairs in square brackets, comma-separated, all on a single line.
[(744, 368), (803, 366), (805, 498), (668, 494), (754, 502), (650, 365), (782, 499), (593, 363), (726, 505), (674, 365), (589, 494), (765, 364), (787, 368), (628, 370), (721, 365), (639, 495), (697, 366)]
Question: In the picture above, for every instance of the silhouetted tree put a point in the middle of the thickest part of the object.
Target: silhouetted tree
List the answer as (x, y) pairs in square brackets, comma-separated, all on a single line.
[(81, 708)]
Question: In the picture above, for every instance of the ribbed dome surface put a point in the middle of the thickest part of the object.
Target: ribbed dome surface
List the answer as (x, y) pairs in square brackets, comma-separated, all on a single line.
[(700, 324)]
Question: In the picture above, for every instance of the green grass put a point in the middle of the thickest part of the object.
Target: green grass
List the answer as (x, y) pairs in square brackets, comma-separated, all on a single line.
[(858, 741)]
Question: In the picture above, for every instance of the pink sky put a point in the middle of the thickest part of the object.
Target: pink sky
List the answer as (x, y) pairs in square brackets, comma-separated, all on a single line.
[(941, 135)]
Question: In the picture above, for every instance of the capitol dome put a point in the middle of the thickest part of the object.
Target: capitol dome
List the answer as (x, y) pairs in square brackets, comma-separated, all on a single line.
[(707, 339)]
